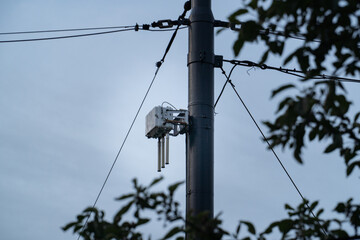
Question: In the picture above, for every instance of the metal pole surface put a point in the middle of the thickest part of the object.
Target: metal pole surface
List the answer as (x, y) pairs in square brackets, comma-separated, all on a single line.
[(200, 139)]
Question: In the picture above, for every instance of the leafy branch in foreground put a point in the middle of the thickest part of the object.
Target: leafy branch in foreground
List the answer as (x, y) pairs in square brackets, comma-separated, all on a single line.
[(319, 112), (300, 224), (325, 27), (330, 36), (141, 201)]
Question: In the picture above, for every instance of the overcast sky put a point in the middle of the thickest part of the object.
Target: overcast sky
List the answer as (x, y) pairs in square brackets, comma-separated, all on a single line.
[(66, 105)]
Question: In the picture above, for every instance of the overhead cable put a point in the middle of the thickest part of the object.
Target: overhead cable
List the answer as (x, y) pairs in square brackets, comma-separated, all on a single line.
[(264, 31), (145, 27), (68, 36), (223, 88), (294, 72), (66, 30), (272, 149), (121, 147)]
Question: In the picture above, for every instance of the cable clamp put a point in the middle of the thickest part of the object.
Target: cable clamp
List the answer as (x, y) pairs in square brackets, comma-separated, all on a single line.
[(146, 26), (219, 23), (233, 26), (167, 23), (184, 21), (218, 61), (263, 66)]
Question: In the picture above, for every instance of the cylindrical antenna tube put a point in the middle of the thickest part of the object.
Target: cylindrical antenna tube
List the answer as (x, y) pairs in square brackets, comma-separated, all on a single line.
[(163, 152), (167, 149), (159, 156)]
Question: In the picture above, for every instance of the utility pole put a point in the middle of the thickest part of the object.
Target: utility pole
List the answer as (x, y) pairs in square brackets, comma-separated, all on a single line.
[(200, 138)]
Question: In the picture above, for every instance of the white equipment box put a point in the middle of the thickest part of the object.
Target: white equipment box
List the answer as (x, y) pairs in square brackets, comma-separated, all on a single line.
[(156, 122)]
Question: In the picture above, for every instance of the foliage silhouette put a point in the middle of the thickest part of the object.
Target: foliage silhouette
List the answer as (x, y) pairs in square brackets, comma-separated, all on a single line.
[(139, 202), (331, 36), (125, 224)]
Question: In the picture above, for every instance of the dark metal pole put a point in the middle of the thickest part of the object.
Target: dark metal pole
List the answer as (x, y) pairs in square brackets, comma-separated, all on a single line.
[(200, 139)]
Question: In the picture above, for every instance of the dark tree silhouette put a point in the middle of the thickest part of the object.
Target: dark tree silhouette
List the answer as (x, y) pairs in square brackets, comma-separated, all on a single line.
[(330, 33)]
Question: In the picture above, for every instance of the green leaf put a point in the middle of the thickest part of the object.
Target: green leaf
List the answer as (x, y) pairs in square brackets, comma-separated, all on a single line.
[(77, 228), (125, 196), (135, 183), (250, 227), (341, 234), (250, 30), (253, 4), (66, 227), (289, 58), (90, 210), (155, 181), (264, 57), (173, 187), (330, 148), (122, 211), (340, 208), (283, 103), (356, 116), (285, 225), (313, 134), (351, 167), (270, 228), (280, 89), (172, 232), (239, 43), (143, 221), (288, 207), (313, 205), (297, 153), (337, 139), (238, 229), (319, 213), (80, 218)]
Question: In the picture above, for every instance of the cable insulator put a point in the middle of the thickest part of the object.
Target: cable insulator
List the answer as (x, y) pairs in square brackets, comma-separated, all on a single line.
[(158, 64), (136, 27), (146, 27), (187, 6)]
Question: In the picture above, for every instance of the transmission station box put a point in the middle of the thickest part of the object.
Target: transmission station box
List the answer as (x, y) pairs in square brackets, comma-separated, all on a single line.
[(157, 125), (162, 122)]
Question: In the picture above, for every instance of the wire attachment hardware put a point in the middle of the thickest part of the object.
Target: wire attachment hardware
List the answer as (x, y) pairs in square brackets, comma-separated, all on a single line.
[(167, 23)]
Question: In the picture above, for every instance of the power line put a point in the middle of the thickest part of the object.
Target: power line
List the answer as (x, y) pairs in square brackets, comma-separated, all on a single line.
[(266, 31), (158, 66), (90, 34), (280, 33), (272, 149), (66, 30), (88, 29), (223, 88), (68, 36), (294, 72), (121, 147)]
